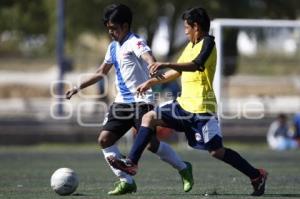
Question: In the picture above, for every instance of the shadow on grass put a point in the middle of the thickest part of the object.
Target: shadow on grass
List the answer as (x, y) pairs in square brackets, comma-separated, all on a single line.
[(287, 195), (279, 195), (80, 194)]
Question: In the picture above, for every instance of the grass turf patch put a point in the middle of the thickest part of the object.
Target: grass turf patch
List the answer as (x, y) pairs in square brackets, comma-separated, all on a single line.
[(25, 173)]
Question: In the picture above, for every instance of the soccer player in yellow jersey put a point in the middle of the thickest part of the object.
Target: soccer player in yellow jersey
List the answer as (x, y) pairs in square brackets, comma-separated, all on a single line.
[(195, 111)]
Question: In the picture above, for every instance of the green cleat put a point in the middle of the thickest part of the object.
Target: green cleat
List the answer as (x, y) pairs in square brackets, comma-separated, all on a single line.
[(187, 177), (122, 188)]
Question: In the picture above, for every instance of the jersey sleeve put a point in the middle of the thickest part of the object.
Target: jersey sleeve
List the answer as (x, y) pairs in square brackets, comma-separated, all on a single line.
[(108, 58), (207, 48), (140, 47)]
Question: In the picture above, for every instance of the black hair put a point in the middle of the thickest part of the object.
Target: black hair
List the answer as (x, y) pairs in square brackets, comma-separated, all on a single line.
[(199, 16), (282, 116), (117, 13)]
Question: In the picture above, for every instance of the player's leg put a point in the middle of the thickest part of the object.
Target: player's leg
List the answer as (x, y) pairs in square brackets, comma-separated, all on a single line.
[(145, 135), (168, 155), (126, 184), (258, 177), (146, 131), (215, 147), (145, 122), (113, 130), (231, 157), (164, 151)]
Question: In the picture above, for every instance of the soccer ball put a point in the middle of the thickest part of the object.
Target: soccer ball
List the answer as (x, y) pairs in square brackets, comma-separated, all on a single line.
[(64, 181)]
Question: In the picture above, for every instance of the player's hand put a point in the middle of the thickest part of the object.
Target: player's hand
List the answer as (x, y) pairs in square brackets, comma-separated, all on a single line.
[(71, 92), (154, 67), (141, 89)]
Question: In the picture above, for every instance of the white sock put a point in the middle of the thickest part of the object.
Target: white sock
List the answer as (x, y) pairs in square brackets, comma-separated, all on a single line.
[(114, 151), (167, 154)]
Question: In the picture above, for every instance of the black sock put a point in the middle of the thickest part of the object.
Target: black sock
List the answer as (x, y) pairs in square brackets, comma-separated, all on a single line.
[(235, 160)]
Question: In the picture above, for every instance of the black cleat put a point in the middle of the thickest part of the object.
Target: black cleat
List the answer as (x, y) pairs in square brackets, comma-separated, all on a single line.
[(259, 183), (123, 164)]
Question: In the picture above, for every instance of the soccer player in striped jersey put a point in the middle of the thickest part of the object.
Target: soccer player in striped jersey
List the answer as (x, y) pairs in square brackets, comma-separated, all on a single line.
[(195, 111), (130, 55)]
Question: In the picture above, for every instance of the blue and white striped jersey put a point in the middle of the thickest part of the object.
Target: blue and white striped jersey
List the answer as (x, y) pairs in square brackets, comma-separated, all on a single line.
[(130, 69)]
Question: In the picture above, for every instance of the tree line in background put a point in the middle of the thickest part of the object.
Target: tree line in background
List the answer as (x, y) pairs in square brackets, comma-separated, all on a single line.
[(38, 17)]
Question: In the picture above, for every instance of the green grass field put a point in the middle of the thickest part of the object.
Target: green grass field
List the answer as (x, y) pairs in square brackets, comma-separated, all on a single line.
[(25, 173)]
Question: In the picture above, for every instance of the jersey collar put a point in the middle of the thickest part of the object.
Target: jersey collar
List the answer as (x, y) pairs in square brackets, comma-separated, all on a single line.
[(125, 38)]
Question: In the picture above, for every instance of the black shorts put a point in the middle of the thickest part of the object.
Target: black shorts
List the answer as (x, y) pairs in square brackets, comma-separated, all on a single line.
[(121, 117)]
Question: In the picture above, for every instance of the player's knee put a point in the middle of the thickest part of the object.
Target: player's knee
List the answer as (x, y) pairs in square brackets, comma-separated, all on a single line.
[(101, 141), (217, 153), (148, 119), (104, 140)]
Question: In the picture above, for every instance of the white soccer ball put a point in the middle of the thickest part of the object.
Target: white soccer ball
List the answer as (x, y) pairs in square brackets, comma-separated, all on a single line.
[(64, 181)]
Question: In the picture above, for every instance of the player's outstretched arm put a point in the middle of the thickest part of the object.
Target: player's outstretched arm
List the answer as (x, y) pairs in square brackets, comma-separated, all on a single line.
[(160, 79), (197, 64), (148, 57), (156, 66), (98, 75)]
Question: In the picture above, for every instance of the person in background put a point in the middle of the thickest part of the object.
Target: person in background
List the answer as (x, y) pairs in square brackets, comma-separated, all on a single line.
[(279, 136)]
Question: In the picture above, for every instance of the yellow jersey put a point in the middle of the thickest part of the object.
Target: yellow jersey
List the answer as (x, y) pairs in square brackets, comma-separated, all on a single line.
[(197, 94)]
